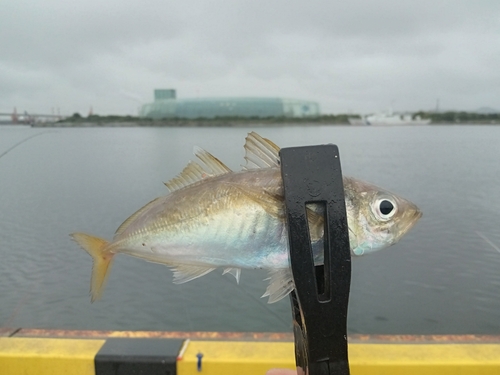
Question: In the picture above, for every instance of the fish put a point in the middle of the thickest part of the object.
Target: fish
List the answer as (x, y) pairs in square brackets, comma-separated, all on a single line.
[(216, 218)]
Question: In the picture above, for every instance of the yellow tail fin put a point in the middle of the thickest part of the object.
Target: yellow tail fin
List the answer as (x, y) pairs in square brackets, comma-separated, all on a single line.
[(102, 261)]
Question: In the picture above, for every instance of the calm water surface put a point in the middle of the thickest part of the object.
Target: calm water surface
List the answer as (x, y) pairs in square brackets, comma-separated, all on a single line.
[(443, 277)]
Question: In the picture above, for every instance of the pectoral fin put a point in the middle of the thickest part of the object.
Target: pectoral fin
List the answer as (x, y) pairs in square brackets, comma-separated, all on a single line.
[(316, 225), (280, 284), (273, 204)]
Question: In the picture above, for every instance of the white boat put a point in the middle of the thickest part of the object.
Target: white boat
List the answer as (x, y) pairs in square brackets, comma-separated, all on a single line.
[(388, 119), (356, 121)]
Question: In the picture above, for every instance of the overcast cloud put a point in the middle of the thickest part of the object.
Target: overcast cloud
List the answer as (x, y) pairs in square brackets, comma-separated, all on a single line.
[(357, 56)]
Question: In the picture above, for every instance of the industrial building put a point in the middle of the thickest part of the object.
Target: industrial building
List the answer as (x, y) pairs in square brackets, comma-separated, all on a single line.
[(166, 105)]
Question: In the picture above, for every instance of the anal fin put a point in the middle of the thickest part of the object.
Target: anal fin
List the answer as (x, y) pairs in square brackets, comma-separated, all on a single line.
[(184, 272), (236, 272)]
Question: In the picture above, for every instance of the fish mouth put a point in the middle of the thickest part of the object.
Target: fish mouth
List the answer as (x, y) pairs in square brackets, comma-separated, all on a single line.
[(416, 214)]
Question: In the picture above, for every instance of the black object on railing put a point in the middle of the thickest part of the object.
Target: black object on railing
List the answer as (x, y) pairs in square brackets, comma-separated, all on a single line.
[(312, 180)]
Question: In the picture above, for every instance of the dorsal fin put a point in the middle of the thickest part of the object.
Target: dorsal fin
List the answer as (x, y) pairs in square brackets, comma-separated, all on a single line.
[(194, 172), (214, 165), (191, 173), (260, 152)]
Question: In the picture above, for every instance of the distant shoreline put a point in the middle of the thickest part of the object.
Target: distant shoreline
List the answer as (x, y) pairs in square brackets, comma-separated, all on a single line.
[(436, 118), (229, 124), (445, 118), (187, 124)]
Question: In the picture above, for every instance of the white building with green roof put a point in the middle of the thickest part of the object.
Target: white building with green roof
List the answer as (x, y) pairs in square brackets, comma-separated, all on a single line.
[(166, 105)]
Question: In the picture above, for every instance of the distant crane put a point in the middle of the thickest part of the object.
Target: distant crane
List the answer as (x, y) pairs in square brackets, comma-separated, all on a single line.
[(14, 116), (27, 118)]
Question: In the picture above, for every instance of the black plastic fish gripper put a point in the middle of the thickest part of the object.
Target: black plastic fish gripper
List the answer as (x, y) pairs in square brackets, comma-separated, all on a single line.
[(312, 175)]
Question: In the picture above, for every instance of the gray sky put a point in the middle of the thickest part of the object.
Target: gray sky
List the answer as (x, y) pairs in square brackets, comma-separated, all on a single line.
[(357, 56)]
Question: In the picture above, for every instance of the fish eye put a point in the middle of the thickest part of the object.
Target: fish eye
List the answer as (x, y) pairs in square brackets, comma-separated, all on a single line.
[(385, 208)]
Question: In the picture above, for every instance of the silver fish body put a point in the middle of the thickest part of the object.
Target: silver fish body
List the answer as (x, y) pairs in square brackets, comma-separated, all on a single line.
[(216, 218), (218, 223)]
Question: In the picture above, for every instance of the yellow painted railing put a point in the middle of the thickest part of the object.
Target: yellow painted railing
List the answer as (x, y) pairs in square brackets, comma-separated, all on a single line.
[(204, 353)]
